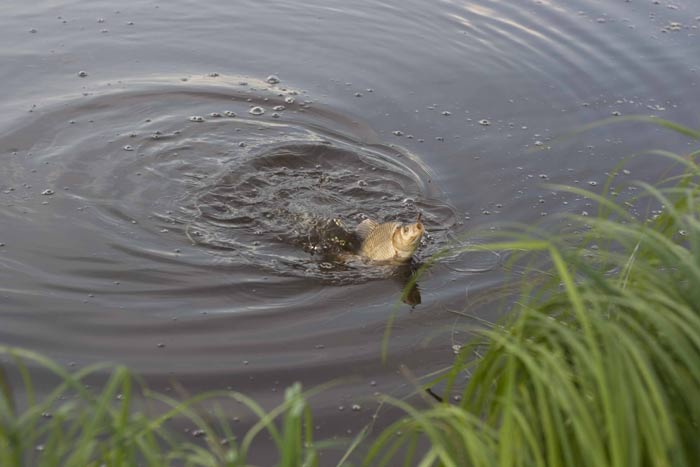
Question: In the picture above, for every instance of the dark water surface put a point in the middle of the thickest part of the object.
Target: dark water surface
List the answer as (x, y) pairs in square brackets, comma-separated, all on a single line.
[(183, 232)]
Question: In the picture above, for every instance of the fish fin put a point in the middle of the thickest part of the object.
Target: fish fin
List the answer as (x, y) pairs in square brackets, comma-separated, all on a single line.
[(365, 228)]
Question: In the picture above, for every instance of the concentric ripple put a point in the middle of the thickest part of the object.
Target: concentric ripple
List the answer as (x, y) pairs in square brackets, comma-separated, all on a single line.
[(158, 165), (293, 206)]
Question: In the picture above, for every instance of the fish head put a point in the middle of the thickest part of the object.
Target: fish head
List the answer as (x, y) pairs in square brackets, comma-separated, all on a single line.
[(406, 237)]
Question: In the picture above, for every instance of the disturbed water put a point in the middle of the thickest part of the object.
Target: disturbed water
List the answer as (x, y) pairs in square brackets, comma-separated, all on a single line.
[(180, 181)]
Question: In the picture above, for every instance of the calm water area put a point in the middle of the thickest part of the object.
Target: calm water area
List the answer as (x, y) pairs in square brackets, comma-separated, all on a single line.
[(168, 171)]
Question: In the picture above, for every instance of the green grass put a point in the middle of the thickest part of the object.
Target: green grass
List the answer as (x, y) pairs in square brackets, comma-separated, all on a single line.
[(76, 426), (599, 361), (598, 364)]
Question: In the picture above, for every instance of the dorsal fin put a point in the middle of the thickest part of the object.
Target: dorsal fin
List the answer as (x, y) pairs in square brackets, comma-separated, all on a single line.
[(365, 228)]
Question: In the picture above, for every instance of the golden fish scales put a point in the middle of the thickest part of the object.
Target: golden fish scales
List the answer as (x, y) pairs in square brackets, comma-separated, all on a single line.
[(390, 241)]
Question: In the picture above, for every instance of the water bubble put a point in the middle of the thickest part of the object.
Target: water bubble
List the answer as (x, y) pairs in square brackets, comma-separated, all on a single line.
[(626, 172), (358, 94), (33, 30), (196, 118), (356, 407), (272, 79), (128, 147), (593, 183), (100, 20), (446, 113), (484, 122), (82, 74), (289, 100), (616, 113), (257, 110), (397, 132), (228, 113), (213, 74), (47, 192), (215, 115), (129, 23), (278, 108)]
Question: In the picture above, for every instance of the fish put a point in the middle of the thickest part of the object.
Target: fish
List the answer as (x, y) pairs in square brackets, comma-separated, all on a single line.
[(391, 242)]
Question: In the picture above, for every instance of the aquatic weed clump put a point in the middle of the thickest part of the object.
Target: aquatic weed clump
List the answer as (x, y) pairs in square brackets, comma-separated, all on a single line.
[(598, 363)]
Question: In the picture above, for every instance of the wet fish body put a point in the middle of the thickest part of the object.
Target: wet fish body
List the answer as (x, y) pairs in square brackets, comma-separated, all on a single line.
[(389, 241)]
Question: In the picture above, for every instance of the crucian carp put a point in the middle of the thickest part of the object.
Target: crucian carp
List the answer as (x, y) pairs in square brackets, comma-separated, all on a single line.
[(392, 242)]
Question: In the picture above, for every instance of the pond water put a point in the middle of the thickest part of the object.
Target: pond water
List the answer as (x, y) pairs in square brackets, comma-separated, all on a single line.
[(171, 172)]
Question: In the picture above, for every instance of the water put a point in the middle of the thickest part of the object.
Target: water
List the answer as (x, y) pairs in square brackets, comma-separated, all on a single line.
[(169, 171)]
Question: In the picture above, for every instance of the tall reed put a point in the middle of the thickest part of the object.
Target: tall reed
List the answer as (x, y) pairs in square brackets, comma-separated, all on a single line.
[(598, 363)]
